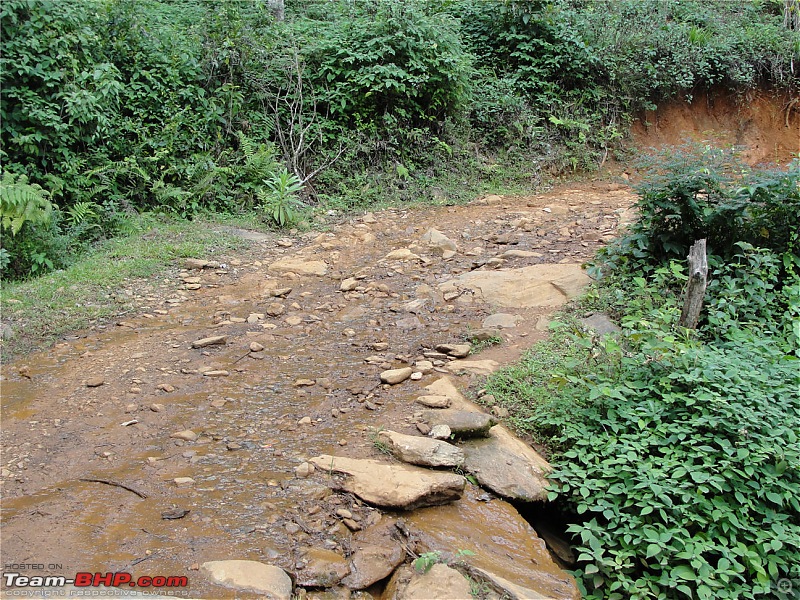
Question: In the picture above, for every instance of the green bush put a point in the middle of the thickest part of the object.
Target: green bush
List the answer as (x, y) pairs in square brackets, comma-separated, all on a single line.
[(691, 193), (396, 64)]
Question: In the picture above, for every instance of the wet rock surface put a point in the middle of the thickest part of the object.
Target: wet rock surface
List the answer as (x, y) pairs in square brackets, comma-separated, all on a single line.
[(310, 322), (422, 451), (391, 485)]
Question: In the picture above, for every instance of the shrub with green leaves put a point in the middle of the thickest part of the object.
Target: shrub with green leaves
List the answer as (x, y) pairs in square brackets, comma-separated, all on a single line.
[(693, 192), (396, 64), (677, 452)]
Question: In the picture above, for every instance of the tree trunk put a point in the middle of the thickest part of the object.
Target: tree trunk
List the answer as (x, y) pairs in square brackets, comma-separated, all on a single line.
[(696, 286), (791, 14), (278, 9)]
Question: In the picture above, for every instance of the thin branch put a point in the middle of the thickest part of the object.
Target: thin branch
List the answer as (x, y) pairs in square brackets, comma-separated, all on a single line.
[(115, 484)]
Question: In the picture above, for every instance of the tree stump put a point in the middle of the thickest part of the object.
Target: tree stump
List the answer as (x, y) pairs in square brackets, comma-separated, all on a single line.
[(696, 286)]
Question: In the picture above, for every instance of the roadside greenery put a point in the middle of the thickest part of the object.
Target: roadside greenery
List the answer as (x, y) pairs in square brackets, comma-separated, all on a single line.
[(677, 452), (117, 107), (110, 279)]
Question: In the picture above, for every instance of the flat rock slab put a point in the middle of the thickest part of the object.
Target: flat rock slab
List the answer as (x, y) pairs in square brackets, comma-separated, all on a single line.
[(250, 575), (422, 451), (444, 386), (322, 568), (300, 266), (503, 320), (475, 367), (528, 287), (507, 466), (393, 486), (371, 563), (510, 550)]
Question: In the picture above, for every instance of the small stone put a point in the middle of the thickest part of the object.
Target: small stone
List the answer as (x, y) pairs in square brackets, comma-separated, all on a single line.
[(157, 407), (183, 482), (304, 469), (424, 366), (275, 309), (440, 432), (423, 428), (280, 292), (95, 382), (380, 346), (351, 524), (256, 347), (293, 320), (131, 408), (216, 373), (304, 421), (401, 254), (344, 513), (395, 376), (416, 376), (291, 528), (233, 446), (186, 435), (348, 284), (165, 387), (500, 411), (434, 401), (304, 382), (210, 341), (456, 350)]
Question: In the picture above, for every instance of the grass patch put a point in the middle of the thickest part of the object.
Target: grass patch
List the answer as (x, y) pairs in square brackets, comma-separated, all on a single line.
[(108, 281)]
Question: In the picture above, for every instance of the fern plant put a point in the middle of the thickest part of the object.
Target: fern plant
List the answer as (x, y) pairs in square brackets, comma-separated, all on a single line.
[(280, 198), (23, 202)]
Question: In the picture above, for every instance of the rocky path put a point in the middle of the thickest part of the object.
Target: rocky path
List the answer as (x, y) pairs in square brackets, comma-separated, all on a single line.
[(278, 408)]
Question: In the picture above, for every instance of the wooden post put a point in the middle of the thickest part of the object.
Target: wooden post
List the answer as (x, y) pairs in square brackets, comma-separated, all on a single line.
[(696, 287)]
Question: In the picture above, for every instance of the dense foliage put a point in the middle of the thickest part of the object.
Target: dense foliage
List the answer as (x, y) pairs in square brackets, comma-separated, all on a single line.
[(677, 451), (119, 106)]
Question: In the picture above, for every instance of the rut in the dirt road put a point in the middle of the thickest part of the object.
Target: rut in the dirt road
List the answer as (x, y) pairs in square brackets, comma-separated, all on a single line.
[(236, 440)]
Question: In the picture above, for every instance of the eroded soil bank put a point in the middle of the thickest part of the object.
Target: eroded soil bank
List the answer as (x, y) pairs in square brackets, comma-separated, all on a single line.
[(331, 311)]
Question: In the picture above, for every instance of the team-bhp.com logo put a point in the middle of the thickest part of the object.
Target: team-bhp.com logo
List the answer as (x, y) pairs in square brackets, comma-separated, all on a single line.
[(94, 580)]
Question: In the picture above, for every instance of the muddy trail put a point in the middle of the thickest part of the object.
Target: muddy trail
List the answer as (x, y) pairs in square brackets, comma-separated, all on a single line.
[(216, 442)]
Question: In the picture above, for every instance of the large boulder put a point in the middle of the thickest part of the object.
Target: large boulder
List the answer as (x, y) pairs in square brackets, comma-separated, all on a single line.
[(505, 545), (392, 486), (507, 466), (371, 563), (270, 582), (440, 583), (321, 568)]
